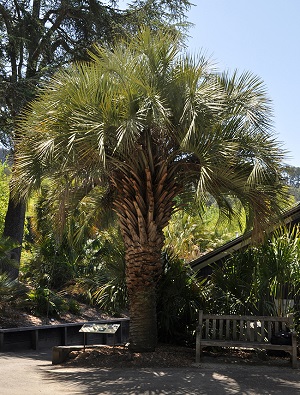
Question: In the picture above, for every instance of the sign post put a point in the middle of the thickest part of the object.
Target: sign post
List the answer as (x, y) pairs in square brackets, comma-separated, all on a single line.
[(98, 328)]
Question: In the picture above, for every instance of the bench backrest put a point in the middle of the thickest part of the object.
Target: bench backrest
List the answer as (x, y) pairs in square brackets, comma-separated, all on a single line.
[(242, 328)]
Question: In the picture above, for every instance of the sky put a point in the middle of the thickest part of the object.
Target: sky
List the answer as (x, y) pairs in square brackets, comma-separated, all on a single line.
[(263, 37)]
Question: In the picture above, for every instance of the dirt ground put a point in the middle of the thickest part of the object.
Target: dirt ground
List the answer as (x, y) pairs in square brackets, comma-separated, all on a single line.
[(14, 318)]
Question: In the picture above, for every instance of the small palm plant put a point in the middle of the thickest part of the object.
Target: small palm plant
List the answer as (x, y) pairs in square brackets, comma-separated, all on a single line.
[(6, 246), (261, 280), (232, 285), (107, 284), (10, 291), (279, 269)]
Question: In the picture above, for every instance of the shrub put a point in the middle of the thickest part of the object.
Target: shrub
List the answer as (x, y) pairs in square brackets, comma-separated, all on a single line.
[(180, 295), (10, 291), (43, 301)]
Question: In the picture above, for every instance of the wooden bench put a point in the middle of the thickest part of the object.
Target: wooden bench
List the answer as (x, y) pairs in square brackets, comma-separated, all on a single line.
[(254, 332)]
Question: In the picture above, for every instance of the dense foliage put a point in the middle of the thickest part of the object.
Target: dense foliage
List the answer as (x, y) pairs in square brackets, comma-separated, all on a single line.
[(261, 280), (38, 36), (191, 234)]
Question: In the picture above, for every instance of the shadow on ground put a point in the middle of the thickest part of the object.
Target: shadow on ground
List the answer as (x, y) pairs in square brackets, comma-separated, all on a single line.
[(33, 373), (210, 379)]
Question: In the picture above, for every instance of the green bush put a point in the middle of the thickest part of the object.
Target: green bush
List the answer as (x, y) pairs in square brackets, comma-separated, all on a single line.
[(180, 296), (107, 286), (10, 291), (73, 307), (43, 301), (260, 279)]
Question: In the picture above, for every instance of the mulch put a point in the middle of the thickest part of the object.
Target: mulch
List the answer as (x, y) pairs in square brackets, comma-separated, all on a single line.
[(169, 356), (120, 357)]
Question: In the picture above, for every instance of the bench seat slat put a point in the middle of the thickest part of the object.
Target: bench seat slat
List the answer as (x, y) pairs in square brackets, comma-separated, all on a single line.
[(241, 344)]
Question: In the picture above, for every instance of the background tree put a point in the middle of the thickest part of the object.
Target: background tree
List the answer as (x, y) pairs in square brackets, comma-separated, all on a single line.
[(150, 126), (292, 178), (194, 232), (38, 36)]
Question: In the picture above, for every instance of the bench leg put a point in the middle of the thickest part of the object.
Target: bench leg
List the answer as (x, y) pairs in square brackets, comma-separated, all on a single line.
[(198, 348), (294, 358), (294, 350)]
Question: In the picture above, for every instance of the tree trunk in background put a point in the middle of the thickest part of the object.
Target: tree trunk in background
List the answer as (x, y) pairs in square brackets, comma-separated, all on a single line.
[(14, 228)]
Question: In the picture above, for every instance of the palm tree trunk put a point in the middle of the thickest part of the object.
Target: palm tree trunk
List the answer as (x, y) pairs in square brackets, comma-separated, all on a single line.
[(143, 322), (143, 270), (144, 204)]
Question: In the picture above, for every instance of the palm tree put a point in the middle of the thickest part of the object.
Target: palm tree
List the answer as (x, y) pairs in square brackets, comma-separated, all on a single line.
[(155, 128)]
